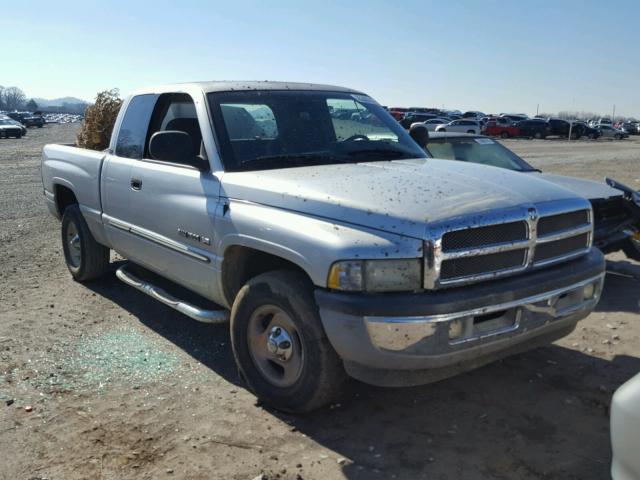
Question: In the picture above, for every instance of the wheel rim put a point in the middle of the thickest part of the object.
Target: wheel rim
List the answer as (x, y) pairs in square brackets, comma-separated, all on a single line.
[(73, 242), (275, 345)]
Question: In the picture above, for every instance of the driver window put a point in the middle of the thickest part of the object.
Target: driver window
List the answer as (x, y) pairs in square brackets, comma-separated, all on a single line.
[(176, 111)]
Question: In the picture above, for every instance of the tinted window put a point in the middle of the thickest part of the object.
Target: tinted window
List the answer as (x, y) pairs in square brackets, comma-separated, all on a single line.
[(133, 130), (283, 129)]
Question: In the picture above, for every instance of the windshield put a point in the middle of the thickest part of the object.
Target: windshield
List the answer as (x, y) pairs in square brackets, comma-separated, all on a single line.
[(260, 130), (477, 150)]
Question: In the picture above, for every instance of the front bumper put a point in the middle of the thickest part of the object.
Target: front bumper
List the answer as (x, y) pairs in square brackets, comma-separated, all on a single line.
[(404, 339)]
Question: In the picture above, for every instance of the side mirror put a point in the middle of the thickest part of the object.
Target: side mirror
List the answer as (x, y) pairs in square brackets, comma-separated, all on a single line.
[(420, 134), (175, 146)]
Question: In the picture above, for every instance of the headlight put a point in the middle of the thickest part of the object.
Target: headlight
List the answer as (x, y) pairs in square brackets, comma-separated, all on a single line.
[(376, 275)]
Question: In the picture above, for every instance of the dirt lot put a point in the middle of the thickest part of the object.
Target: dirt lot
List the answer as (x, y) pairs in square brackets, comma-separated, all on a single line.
[(122, 387)]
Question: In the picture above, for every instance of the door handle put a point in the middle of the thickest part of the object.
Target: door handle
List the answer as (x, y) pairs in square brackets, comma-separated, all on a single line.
[(136, 184)]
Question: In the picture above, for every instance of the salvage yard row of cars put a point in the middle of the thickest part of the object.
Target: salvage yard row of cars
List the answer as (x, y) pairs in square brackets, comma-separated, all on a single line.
[(514, 125), (15, 124)]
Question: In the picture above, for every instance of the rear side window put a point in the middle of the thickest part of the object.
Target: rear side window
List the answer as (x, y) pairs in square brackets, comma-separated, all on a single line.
[(133, 130)]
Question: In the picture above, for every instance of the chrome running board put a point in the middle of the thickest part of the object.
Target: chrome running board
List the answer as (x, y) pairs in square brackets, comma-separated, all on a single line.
[(157, 293)]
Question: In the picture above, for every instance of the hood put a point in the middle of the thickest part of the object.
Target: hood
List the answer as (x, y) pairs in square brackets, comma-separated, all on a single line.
[(395, 196), (588, 189)]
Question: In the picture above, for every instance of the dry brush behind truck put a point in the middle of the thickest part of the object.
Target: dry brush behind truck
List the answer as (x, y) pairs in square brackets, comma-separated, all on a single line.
[(329, 239)]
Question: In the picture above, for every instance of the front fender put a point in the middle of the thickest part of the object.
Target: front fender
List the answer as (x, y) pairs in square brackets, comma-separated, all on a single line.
[(311, 243)]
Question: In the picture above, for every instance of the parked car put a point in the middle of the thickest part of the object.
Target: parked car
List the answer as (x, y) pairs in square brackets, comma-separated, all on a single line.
[(434, 122), (334, 247), (632, 128), (534, 128), (625, 431), (9, 129), (412, 117), (472, 114), (27, 119), (586, 130), (515, 117), (607, 131), (616, 208), (501, 126), (462, 125)]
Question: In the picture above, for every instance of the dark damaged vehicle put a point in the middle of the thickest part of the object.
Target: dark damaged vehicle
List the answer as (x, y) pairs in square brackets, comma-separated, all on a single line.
[(333, 244), (616, 208)]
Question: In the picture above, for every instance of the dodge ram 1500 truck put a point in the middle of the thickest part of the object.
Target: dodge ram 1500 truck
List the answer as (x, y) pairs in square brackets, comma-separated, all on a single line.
[(333, 245)]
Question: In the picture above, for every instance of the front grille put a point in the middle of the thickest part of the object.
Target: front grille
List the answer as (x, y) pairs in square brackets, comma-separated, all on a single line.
[(481, 236), (559, 248), (486, 251), (477, 265), (564, 221)]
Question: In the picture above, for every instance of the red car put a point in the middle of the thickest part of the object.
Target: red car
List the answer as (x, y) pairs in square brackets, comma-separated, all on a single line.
[(502, 127)]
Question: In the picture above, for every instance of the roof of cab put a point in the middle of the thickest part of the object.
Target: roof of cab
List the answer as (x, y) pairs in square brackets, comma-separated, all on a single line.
[(229, 85)]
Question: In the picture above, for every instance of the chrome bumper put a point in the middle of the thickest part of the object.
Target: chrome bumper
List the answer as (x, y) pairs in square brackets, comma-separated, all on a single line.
[(439, 334)]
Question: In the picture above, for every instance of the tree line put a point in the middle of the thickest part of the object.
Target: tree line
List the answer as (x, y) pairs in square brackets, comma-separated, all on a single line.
[(13, 98)]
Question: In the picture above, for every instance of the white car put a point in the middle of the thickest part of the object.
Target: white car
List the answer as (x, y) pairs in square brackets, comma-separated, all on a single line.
[(431, 124), (625, 431), (461, 126)]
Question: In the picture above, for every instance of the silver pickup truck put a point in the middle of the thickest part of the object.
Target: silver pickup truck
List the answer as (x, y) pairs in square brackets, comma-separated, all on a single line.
[(307, 216)]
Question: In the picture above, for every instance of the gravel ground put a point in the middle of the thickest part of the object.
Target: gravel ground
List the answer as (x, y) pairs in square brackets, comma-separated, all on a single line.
[(99, 381)]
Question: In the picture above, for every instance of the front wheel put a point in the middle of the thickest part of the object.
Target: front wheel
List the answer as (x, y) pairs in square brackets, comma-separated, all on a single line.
[(86, 259), (280, 346), (504, 134), (472, 132)]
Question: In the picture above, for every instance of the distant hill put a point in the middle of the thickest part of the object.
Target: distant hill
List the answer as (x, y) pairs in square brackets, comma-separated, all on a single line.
[(58, 102)]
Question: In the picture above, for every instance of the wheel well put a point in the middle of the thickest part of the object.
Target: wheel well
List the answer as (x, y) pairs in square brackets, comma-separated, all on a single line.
[(64, 198), (241, 264)]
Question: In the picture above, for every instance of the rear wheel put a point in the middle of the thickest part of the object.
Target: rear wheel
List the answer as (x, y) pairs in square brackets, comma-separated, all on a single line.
[(280, 346), (504, 134), (472, 132), (86, 259), (442, 130), (538, 135)]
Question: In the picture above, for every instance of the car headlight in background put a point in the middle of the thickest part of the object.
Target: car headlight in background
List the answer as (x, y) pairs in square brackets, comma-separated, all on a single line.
[(394, 275)]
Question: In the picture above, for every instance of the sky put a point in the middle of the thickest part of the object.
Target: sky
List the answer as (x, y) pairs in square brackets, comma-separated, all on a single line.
[(492, 56)]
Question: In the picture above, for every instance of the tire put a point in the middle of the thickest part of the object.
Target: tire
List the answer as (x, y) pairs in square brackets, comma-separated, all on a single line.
[(442, 130), (472, 132), (504, 135), (19, 135), (618, 137), (86, 259), (538, 135), (312, 375)]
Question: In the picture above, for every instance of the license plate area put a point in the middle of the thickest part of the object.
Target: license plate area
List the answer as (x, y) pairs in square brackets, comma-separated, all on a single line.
[(467, 329)]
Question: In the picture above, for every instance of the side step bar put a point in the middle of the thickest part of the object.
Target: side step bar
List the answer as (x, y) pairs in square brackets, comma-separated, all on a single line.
[(188, 309)]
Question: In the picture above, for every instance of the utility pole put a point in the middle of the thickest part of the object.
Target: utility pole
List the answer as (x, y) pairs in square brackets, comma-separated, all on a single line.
[(537, 110), (613, 117)]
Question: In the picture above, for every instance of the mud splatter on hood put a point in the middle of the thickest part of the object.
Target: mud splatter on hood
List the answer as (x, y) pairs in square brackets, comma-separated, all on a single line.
[(396, 196)]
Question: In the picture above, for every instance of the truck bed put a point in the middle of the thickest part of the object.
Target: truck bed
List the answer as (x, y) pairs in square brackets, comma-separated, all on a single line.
[(76, 168)]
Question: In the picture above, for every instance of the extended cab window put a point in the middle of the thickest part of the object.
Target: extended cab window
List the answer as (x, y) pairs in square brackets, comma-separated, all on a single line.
[(133, 130)]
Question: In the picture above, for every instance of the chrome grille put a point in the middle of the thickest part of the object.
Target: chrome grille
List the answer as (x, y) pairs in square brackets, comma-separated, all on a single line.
[(468, 255)]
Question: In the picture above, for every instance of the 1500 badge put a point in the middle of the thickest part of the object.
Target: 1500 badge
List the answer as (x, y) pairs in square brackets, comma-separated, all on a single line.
[(194, 236)]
